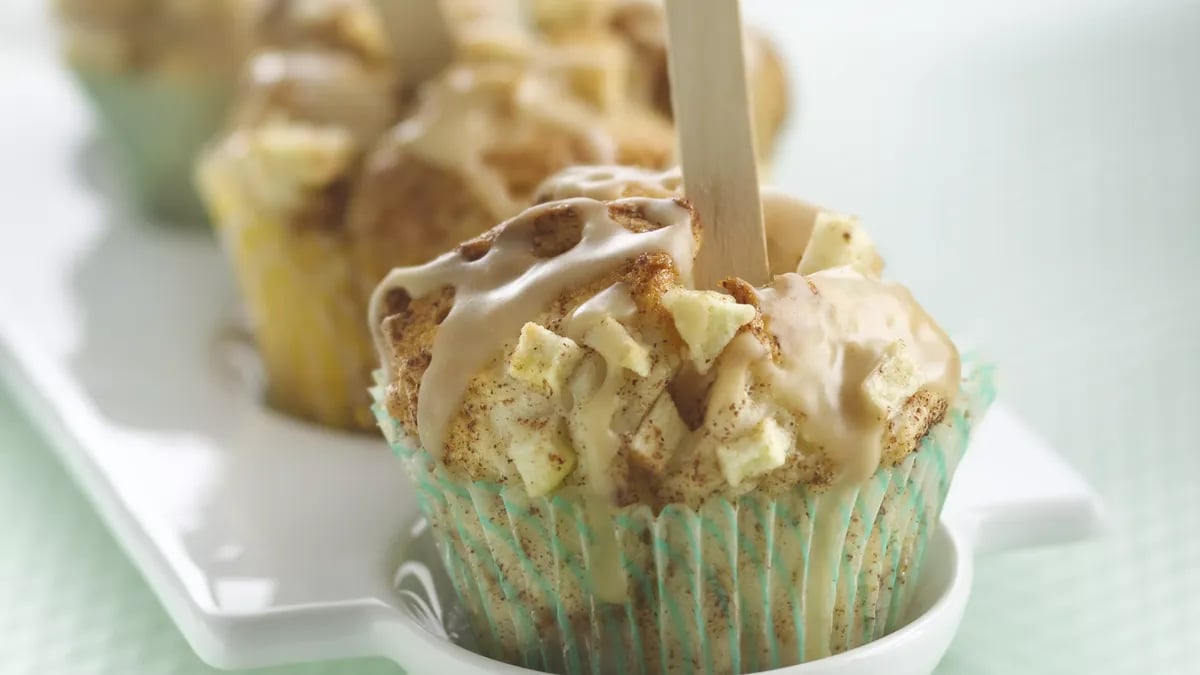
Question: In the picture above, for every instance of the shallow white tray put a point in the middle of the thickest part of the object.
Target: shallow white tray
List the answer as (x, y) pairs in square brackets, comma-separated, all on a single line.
[(270, 541)]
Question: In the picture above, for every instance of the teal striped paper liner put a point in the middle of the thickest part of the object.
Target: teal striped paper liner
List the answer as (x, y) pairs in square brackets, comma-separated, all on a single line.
[(156, 125), (732, 587)]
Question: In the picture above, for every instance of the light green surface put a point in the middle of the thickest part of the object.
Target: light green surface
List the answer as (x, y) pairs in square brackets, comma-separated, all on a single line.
[(1059, 158)]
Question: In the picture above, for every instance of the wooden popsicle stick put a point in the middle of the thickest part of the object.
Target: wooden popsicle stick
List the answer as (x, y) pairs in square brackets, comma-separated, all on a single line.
[(716, 140), (420, 37)]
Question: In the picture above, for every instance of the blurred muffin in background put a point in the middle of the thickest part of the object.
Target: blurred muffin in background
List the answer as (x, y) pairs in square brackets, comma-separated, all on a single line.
[(319, 89), (342, 162), (481, 138), (160, 74), (312, 228), (639, 27)]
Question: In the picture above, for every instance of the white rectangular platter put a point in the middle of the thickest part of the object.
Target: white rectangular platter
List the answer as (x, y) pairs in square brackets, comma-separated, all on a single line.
[(268, 540)]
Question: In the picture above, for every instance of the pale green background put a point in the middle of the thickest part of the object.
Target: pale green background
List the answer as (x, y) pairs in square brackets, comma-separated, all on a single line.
[(1033, 170)]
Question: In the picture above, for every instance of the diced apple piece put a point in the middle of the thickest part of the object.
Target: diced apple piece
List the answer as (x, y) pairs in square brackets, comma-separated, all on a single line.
[(597, 72), (659, 434), (543, 359), (543, 460), (761, 451), (282, 163), (489, 41), (893, 380), (707, 321), (839, 241)]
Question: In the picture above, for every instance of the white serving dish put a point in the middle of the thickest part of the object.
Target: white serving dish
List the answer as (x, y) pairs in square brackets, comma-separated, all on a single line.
[(271, 541)]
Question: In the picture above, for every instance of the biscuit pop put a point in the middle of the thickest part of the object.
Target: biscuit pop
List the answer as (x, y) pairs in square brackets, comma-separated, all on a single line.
[(328, 178), (638, 451), (343, 161), (626, 471)]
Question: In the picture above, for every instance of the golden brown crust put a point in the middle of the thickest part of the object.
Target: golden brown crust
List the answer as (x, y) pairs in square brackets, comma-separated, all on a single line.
[(643, 139), (410, 331), (324, 209), (905, 431), (406, 211), (524, 167), (744, 293)]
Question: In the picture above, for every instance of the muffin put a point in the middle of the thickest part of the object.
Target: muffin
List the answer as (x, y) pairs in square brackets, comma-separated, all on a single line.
[(480, 141), (160, 75), (628, 474), (464, 150), (316, 202), (318, 91)]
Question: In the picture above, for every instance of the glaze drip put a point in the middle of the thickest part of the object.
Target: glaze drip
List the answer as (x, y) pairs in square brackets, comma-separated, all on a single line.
[(833, 328)]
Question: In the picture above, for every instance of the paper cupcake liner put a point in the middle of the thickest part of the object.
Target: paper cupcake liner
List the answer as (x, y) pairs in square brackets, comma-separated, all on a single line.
[(301, 295), (157, 125), (731, 587)]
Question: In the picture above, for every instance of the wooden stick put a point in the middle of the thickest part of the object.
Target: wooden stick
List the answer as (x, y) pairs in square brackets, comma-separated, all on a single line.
[(420, 37), (716, 140)]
